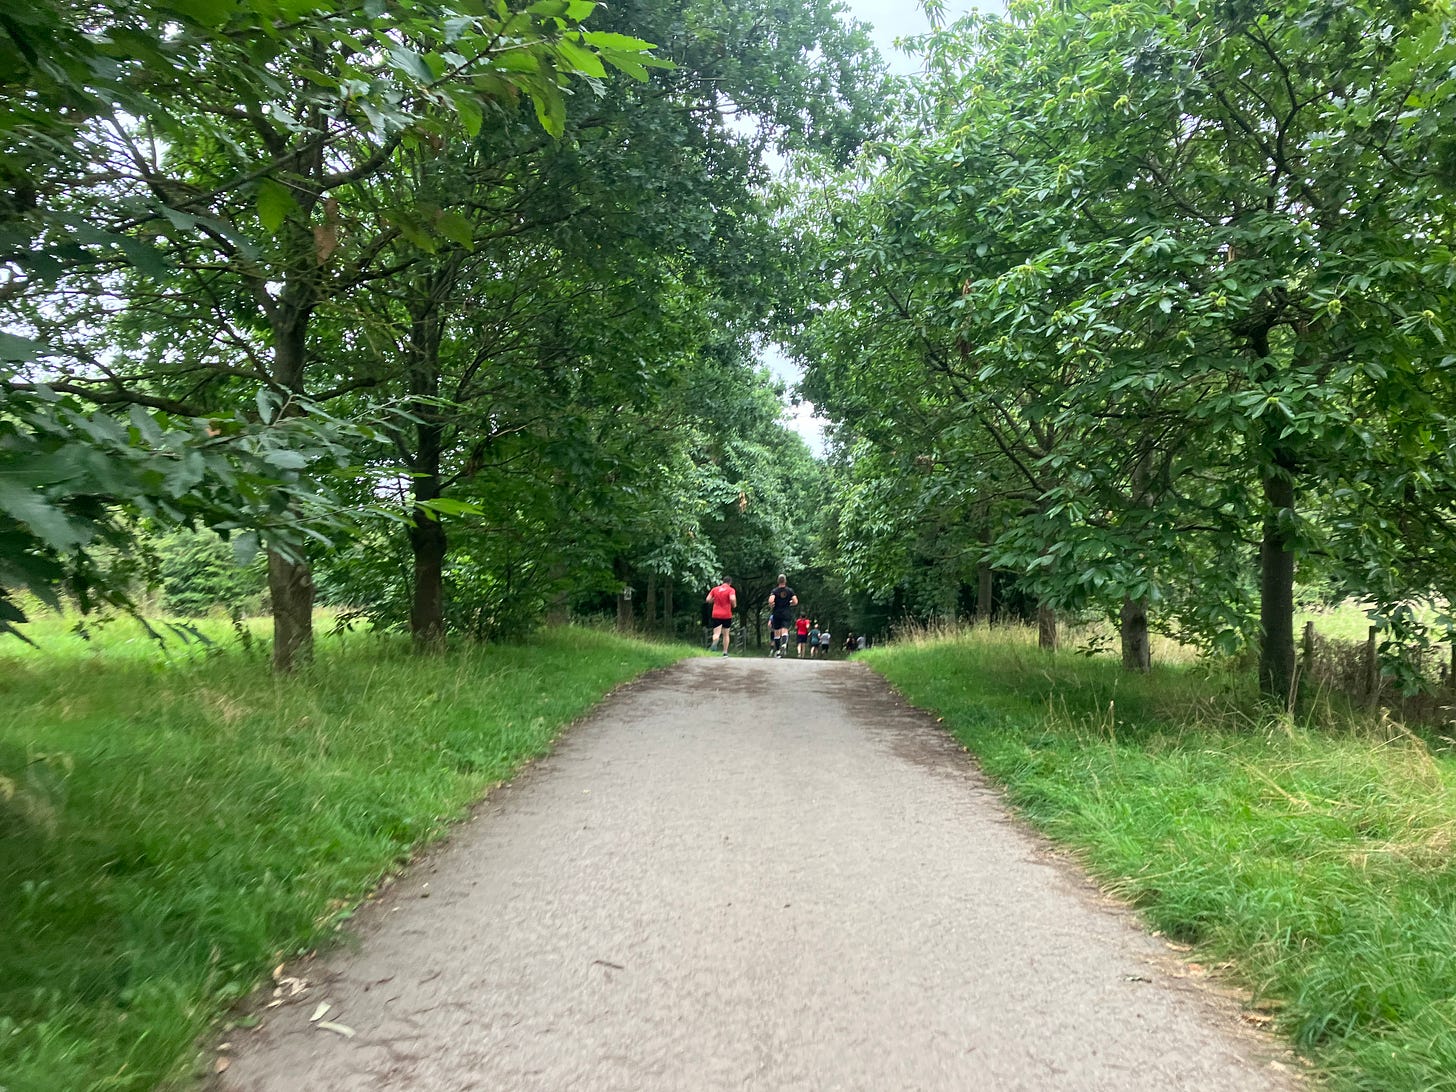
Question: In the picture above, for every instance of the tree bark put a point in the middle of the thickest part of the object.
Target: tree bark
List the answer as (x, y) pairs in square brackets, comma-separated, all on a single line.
[(1046, 628), (667, 624), (1277, 678), (624, 611), (558, 612), (427, 604), (428, 540), (1136, 650), (290, 583), (290, 586), (985, 583), (651, 618)]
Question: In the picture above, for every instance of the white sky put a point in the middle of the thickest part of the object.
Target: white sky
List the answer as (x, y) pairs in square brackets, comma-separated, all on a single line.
[(889, 20)]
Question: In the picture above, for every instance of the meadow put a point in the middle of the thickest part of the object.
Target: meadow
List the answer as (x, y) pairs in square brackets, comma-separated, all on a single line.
[(1309, 860), (175, 820)]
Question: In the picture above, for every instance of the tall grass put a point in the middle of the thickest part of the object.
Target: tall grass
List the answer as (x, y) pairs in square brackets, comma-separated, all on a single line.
[(171, 821), (1314, 859)]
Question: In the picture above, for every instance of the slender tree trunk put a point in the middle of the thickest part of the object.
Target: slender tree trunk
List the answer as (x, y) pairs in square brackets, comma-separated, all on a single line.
[(650, 620), (1372, 669), (1136, 651), (1277, 678), (427, 538), (985, 581), (558, 611), (667, 623), (624, 610), (290, 586), (290, 582), (1046, 628)]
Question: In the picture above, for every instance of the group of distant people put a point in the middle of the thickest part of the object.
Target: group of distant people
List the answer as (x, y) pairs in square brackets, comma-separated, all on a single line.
[(782, 603)]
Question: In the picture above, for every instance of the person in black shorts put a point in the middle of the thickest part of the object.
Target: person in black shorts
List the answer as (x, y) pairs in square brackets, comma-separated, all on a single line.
[(781, 604)]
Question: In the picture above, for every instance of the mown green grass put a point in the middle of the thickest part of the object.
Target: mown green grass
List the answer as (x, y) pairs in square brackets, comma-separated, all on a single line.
[(171, 823), (1317, 860)]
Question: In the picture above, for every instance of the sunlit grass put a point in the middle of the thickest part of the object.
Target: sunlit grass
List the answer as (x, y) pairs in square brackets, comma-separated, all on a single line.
[(171, 822), (1316, 859)]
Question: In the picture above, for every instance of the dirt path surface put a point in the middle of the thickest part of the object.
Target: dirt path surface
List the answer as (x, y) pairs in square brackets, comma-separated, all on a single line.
[(750, 874)]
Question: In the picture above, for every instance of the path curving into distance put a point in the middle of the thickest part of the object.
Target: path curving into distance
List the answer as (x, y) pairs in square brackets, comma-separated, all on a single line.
[(750, 874)]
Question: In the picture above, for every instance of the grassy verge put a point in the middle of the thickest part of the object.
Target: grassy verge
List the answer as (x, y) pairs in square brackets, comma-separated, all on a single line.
[(1317, 862), (169, 828)]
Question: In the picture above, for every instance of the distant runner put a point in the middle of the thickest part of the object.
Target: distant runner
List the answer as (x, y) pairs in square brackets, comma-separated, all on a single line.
[(801, 630), (825, 639), (723, 599), (813, 639), (781, 602)]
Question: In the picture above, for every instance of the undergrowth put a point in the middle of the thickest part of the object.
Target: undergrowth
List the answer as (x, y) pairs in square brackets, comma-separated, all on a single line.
[(172, 821), (1314, 858)]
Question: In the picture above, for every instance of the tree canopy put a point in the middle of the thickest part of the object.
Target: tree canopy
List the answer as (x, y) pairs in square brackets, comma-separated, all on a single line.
[(1137, 309)]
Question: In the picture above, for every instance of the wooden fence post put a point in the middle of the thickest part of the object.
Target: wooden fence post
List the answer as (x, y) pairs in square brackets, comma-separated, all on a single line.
[(1372, 671)]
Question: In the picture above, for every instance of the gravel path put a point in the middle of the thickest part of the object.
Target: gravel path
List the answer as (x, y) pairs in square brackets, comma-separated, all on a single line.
[(750, 874)]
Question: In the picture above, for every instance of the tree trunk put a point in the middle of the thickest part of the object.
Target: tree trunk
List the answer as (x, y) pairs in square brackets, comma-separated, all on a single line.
[(290, 586), (667, 624), (427, 606), (624, 610), (1046, 628), (985, 583), (558, 611), (427, 537), (650, 620), (1136, 652), (290, 583), (1277, 679)]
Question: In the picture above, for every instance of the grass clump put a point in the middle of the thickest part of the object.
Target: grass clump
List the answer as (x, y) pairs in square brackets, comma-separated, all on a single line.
[(168, 829), (1316, 860)]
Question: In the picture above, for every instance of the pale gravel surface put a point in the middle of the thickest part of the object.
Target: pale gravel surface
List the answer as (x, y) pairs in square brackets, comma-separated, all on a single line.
[(751, 874)]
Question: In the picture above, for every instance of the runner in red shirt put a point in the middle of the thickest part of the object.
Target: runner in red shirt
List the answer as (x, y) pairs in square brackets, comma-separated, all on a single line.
[(724, 599), (801, 627)]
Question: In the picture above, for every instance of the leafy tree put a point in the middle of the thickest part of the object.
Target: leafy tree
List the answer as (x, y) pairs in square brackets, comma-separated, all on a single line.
[(584, 273), (230, 146), (199, 572), (1205, 250)]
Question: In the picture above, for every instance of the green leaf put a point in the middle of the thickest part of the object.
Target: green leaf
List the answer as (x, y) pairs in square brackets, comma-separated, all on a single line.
[(457, 229), (581, 60), (45, 520), (636, 69), (205, 13), (411, 64), (611, 40), (275, 204), (550, 109), (285, 459), (180, 220), (470, 113), (447, 507), (518, 60), (245, 547), (13, 347)]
